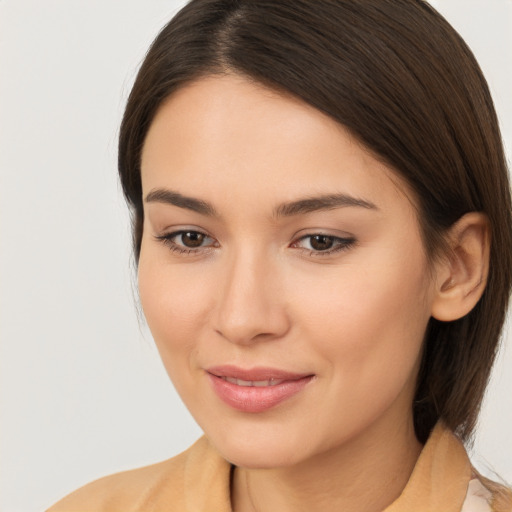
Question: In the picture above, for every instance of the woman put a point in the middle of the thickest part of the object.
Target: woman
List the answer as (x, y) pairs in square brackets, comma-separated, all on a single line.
[(322, 225)]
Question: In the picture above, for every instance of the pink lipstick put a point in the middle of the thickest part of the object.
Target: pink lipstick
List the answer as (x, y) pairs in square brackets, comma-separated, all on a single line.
[(257, 389)]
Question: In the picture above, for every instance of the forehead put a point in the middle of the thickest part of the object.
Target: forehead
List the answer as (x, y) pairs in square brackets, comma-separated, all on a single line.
[(230, 134)]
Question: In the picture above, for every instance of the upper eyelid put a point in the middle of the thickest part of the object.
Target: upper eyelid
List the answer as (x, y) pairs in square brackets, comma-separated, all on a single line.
[(321, 233), (169, 233)]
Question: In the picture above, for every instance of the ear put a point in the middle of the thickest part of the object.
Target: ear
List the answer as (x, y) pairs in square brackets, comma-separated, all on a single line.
[(461, 276)]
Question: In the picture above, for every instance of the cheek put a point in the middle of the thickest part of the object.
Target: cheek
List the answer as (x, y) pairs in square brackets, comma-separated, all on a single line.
[(174, 305), (369, 323)]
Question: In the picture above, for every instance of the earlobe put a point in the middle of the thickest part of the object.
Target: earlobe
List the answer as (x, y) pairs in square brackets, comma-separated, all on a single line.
[(462, 274)]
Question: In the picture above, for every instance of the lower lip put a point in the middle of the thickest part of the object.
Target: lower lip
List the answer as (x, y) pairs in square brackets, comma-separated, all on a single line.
[(256, 399)]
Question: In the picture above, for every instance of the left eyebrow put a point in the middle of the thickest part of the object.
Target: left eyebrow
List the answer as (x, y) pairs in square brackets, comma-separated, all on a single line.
[(320, 203)]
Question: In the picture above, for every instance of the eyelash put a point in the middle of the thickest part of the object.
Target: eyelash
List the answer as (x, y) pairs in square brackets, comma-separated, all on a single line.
[(340, 244), (168, 241)]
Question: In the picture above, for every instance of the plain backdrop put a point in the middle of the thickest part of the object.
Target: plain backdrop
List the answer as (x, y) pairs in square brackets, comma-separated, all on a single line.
[(83, 393)]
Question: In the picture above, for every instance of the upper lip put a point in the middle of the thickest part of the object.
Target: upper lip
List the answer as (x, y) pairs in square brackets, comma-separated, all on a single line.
[(259, 373)]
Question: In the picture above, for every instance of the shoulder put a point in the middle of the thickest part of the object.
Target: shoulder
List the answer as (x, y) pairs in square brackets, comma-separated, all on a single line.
[(484, 495), (169, 485), (478, 497), (124, 491)]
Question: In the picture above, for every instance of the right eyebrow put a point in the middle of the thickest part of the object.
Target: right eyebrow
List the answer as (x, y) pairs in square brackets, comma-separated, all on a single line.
[(166, 196)]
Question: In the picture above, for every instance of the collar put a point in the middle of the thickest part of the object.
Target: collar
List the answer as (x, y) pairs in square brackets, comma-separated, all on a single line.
[(439, 480)]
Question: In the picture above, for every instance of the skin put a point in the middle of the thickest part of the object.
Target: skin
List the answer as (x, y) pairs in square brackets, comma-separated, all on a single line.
[(257, 293)]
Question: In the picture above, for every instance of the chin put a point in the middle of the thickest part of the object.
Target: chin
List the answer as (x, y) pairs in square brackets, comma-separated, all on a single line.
[(257, 457), (262, 450)]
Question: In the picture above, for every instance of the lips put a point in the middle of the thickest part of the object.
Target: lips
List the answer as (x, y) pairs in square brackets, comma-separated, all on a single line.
[(255, 390)]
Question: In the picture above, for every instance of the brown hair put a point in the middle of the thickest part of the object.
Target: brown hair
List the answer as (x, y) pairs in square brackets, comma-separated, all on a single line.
[(398, 76)]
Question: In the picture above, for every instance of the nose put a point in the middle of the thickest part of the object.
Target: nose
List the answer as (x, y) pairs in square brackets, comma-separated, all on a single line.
[(251, 305)]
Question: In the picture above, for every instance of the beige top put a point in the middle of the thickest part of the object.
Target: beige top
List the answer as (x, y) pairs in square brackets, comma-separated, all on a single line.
[(198, 480)]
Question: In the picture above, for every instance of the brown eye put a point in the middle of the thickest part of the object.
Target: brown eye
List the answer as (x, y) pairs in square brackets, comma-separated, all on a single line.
[(187, 242), (192, 239), (321, 242)]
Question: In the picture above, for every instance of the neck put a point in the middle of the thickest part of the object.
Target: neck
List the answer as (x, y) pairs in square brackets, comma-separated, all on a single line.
[(364, 475)]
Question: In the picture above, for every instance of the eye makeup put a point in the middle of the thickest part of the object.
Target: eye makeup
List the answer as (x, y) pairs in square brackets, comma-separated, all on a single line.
[(189, 241)]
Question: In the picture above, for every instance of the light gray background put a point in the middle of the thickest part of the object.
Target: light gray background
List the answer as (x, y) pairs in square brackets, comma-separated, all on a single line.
[(83, 393)]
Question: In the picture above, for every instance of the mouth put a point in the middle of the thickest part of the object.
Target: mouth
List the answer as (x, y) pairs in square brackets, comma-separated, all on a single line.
[(255, 390), (253, 383)]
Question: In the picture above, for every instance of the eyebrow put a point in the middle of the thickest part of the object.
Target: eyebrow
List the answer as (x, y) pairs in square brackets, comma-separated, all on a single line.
[(162, 195), (289, 209), (321, 203)]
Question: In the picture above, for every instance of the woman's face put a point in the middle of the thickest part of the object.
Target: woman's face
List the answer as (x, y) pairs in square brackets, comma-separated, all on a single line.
[(282, 274)]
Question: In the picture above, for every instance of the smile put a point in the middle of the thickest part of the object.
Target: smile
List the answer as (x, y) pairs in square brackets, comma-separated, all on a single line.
[(253, 383), (256, 390)]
